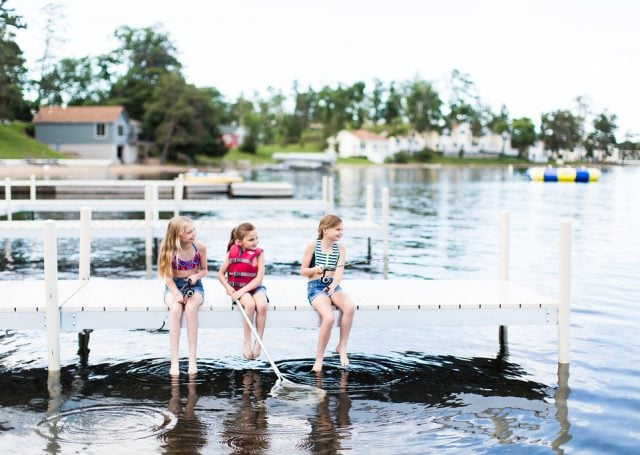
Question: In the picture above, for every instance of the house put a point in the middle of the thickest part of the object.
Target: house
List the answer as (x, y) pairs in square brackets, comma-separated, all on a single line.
[(362, 143), (461, 139), (233, 135), (88, 132), (412, 143)]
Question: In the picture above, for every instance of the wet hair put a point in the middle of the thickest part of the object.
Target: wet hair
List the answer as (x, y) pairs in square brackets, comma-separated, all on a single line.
[(239, 232), (328, 222), (171, 243)]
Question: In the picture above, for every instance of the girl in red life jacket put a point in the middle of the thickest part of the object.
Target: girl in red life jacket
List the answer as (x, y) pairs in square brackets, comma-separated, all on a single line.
[(182, 263), (241, 274), (323, 264)]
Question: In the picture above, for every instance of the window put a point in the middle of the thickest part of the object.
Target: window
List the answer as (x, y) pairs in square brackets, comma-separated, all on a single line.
[(101, 130), (120, 130)]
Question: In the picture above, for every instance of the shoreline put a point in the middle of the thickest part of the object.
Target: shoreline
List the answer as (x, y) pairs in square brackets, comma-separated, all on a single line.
[(25, 170)]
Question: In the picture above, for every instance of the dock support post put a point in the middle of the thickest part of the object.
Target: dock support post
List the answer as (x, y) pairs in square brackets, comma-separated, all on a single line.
[(51, 295), (503, 273), (148, 233), (178, 192), (369, 217), (84, 273), (7, 197), (385, 229), (331, 195), (564, 300), (32, 187), (84, 269)]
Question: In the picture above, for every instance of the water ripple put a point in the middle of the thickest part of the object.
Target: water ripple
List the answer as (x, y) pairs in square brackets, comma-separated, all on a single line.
[(107, 424)]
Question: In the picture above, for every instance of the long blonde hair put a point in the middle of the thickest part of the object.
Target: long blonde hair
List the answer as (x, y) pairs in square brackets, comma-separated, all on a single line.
[(239, 232), (171, 243), (328, 222)]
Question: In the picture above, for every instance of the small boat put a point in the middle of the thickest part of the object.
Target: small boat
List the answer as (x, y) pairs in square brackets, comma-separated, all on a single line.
[(212, 178), (261, 189), (563, 174)]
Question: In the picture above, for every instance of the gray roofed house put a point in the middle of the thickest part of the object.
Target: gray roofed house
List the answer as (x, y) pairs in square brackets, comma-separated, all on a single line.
[(89, 132)]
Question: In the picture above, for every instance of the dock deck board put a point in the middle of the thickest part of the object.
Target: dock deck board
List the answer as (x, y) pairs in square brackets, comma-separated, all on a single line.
[(138, 303)]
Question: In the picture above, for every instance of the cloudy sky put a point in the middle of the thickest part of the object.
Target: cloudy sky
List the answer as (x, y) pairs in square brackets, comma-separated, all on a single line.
[(534, 56)]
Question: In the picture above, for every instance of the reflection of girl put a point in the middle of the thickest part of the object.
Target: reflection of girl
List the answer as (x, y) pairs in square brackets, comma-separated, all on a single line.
[(241, 274), (189, 433), (246, 429), (323, 263), (182, 262)]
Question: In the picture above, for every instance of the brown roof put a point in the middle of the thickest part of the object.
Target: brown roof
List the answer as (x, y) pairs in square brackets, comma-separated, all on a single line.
[(367, 135), (77, 114)]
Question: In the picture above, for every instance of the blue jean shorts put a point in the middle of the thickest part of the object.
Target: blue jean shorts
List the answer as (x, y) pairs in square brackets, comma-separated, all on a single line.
[(180, 284), (317, 287)]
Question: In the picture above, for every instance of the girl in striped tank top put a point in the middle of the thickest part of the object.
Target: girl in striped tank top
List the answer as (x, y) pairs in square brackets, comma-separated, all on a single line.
[(323, 264)]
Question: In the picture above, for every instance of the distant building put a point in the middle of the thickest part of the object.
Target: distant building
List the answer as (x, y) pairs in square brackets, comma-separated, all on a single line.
[(233, 135), (89, 132), (362, 143)]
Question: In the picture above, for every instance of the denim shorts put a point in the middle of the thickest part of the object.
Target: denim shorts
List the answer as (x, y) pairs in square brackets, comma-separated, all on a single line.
[(317, 287), (262, 289), (180, 283)]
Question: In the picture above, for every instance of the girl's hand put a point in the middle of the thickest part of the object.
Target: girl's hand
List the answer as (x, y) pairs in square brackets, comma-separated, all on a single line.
[(236, 295), (179, 297), (319, 269)]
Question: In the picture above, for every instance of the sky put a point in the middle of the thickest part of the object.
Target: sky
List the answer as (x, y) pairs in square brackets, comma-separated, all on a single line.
[(533, 56)]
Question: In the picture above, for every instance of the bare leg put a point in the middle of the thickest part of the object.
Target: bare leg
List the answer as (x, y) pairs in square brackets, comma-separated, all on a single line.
[(261, 318), (322, 305), (175, 323), (249, 307), (344, 304), (191, 311)]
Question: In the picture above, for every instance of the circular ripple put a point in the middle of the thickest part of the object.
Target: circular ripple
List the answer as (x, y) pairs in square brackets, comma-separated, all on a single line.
[(107, 424)]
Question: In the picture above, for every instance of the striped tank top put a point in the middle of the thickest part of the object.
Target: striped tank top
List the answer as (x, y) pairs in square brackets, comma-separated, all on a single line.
[(326, 260)]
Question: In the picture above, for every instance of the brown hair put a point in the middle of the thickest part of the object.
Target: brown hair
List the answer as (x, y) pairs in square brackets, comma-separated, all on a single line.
[(171, 243), (328, 222), (239, 232)]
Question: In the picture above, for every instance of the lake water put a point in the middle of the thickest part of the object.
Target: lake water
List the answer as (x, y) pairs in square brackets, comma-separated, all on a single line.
[(408, 390)]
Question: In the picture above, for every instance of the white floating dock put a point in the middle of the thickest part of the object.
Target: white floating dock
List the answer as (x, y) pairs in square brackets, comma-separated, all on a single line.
[(94, 303)]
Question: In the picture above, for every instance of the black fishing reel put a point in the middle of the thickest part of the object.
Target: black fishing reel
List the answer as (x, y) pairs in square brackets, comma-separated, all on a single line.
[(187, 290)]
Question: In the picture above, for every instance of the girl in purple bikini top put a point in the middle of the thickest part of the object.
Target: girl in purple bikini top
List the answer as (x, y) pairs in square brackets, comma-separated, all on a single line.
[(194, 263)]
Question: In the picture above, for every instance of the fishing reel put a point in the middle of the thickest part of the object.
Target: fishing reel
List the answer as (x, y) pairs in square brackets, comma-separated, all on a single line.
[(187, 290)]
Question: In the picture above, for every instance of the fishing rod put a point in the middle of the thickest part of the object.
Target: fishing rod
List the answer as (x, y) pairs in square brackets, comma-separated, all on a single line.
[(327, 280)]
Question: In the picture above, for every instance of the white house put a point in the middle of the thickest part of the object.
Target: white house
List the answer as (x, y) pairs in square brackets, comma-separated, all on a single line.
[(370, 145), (411, 143), (461, 139)]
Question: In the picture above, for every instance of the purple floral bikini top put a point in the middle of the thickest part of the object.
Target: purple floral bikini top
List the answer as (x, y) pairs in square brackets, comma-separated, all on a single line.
[(178, 264)]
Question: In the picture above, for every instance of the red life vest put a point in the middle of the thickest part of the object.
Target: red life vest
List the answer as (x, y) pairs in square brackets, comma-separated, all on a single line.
[(243, 266)]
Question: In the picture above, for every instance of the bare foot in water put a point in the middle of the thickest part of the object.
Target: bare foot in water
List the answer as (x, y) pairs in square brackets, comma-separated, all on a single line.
[(344, 359), (246, 350), (174, 370), (193, 369), (256, 350), (317, 366)]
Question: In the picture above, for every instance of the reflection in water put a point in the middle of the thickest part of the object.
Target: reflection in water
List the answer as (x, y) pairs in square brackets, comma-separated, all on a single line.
[(245, 430), (431, 397), (561, 397), (330, 425), (189, 434)]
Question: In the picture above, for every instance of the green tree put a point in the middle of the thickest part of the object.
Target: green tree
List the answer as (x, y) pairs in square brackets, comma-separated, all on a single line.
[(560, 130), (376, 103), (523, 135), (423, 106), (463, 98), (148, 54), (72, 81), (12, 67), (183, 119), (393, 110), (602, 138)]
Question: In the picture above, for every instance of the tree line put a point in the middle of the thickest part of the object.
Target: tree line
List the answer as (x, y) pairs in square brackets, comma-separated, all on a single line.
[(144, 74)]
